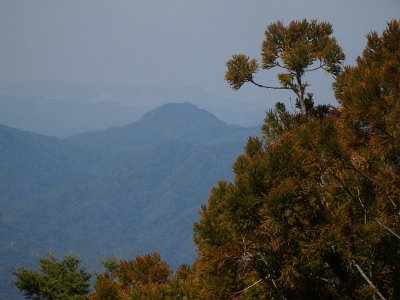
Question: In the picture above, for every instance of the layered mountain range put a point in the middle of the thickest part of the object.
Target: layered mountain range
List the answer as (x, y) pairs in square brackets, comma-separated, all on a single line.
[(122, 191)]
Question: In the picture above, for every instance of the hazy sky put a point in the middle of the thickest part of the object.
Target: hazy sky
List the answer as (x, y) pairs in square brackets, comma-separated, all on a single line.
[(170, 43)]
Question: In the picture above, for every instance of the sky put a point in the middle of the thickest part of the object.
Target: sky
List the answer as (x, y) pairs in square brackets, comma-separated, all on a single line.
[(167, 43)]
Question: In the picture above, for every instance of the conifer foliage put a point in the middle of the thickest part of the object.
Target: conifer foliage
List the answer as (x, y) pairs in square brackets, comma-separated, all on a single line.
[(301, 47), (63, 279), (313, 212), (145, 277), (369, 97)]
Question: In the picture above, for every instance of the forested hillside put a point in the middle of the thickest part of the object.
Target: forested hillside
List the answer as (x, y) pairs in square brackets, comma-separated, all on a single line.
[(119, 192)]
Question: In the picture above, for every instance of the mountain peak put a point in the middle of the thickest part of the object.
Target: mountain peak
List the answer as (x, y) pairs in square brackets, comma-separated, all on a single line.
[(170, 122), (181, 112)]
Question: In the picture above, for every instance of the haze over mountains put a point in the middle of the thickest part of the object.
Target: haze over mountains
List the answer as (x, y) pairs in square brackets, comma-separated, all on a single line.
[(62, 109), (122, 191)]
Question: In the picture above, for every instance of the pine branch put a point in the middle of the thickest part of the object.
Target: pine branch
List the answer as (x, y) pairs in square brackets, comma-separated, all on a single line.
[(257, 282), (388, 229), (362, 204), (367, 279), (249, 287), (354, 168), (317, 68), (269, 87), (366, 215)]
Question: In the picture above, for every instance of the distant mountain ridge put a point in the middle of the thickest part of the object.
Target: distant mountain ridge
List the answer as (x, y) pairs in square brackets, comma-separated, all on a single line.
[(122, 191), (63, 109), (173, 121), (60, 117)]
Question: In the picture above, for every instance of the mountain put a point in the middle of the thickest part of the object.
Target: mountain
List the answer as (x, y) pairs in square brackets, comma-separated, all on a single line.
[(121, 191), (33, 168), (173, 121), (62, 109), (62, 117)]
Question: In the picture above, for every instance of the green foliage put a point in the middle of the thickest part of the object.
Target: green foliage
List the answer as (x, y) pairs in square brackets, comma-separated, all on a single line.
[(299, 48), (110, 264), (55, 279), (299, 45), (240, 70)]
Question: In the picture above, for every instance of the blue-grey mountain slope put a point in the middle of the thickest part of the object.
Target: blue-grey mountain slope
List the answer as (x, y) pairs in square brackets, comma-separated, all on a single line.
[(62, 109), (170, 122), (120, 192)]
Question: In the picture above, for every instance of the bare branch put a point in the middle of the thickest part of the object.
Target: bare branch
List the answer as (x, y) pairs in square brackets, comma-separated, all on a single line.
[(317, 68), (376, 220), (248, 287), (367, 279), (282, 67), (257, 282), (362, 204), (388, 229), (269, 87)]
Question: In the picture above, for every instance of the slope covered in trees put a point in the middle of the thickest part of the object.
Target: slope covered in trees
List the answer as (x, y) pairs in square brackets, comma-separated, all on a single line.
[(141, 194)]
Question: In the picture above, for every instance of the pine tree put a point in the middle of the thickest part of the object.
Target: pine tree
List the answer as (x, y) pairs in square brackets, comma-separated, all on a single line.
[(299, 48), (55, 279), (276, 225), (313, 211), (369, 97), (144, 277)]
